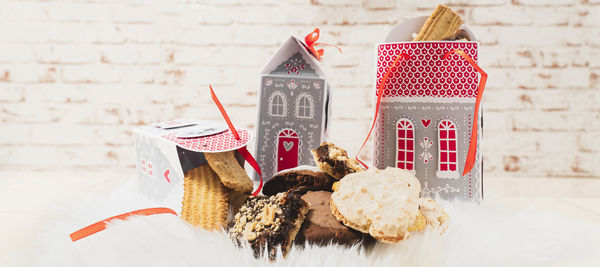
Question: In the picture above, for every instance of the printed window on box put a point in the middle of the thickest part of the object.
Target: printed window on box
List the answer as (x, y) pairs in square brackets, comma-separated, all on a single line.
[(304, 106), (405, 145), (277, 105), (448, 150), (146, 166)]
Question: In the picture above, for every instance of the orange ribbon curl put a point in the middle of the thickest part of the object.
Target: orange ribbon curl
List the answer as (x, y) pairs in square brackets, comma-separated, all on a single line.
[(379, 96), (470, 161), (101, 225), (311, 42)]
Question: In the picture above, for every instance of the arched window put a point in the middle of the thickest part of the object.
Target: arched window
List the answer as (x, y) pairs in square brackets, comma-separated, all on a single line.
[(304, 106), (405, 145), (447, 150), (277, 104)]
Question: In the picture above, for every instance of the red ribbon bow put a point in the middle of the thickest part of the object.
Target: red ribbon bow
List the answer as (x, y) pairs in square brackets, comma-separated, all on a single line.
[(311, 42), (470, 161)]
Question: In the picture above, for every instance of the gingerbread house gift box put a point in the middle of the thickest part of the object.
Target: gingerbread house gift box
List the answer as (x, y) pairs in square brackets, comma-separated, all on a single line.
[(165, 151), (427, 111), (293, 108)]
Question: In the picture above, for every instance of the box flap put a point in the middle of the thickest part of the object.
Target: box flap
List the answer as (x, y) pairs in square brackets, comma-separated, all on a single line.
[(212, 141)]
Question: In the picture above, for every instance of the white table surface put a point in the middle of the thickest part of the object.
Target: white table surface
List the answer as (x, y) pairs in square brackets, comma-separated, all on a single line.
[(28, 199)]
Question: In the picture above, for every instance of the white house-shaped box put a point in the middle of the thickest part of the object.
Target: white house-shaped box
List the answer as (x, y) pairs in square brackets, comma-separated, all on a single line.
[(292, 109), (427, 111), (165, 151)]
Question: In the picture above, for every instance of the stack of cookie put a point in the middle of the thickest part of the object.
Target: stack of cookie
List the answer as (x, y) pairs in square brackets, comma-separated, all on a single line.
[(295, 207), (213, 189), (337, 202), (382, 203)]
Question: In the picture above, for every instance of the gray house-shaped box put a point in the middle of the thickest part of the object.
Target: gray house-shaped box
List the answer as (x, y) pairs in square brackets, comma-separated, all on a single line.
[(427, 113), (292, 109)]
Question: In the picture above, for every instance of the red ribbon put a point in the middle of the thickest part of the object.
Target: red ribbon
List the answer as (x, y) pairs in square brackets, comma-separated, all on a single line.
[(101, 225), (243, 151), (379, 96), (473, 142), (470, 161), (311, 42)]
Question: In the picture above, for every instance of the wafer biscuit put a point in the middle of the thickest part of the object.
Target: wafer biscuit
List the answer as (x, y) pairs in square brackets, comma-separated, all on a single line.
[(441, 24), (229, 171), (205, 199)]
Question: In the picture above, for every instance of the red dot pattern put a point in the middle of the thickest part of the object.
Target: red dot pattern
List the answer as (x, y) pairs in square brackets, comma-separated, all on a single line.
[(426, 73), (221, 142)]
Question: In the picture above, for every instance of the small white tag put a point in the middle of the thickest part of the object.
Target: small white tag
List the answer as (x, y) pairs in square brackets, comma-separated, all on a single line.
[(174, 124), (202, 129)]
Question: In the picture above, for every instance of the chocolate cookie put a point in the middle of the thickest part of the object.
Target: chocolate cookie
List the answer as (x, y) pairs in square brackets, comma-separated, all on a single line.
[(320, 227), (335, 161), (269, 223), (302, 177)]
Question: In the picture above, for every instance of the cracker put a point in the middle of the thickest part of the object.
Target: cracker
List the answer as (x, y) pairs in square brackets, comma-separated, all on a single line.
[(229, 171), (442, 23), (205, 199)]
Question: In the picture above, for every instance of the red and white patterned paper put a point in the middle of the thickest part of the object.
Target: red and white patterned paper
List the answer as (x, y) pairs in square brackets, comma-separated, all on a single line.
[(426, 73), (221, 142)]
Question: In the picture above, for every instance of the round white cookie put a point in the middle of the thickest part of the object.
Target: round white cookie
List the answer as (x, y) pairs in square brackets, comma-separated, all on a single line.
[(383, 203)]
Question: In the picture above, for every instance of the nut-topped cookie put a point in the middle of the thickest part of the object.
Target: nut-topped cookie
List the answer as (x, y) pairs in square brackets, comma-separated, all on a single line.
[(269, 222), (335, 161)]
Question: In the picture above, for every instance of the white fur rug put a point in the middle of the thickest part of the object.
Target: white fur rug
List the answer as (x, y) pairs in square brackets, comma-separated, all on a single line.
[(479, 235)]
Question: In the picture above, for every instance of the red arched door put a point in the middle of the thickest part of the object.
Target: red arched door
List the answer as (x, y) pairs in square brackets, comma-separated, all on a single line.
[(287, 149)]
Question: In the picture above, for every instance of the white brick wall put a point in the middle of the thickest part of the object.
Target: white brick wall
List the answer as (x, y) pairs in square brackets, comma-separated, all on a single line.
[(77, 76)]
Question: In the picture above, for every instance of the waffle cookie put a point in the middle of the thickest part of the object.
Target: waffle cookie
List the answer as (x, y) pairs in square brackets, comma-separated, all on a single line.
[(269, 223), (335, 161), (303, 177), (441, 24), (229, 171), (383, 203), (205, 199)]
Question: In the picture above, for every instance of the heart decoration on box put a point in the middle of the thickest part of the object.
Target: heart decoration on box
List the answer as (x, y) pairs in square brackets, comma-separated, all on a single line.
[(288, 145), (166, 175), (425, 122)]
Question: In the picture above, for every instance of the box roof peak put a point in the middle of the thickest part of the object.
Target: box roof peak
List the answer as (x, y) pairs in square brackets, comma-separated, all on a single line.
[(293, 58)]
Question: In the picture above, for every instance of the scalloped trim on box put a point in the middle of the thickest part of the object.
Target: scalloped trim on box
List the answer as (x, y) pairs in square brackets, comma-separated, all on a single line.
[(427, 99), (447, 174)]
